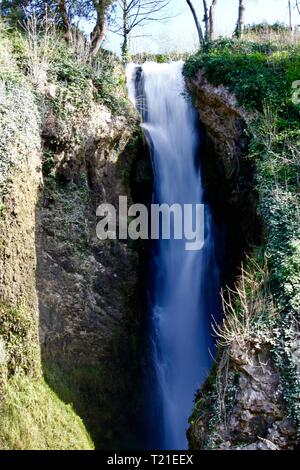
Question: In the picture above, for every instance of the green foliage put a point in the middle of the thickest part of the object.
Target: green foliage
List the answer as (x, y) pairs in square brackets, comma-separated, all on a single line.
[(257, 73), (33, 418), (80, 77), (80, 83), (278, 182), (215, 402)]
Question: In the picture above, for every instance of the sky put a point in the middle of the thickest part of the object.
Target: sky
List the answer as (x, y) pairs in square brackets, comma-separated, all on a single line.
[(179, 34)]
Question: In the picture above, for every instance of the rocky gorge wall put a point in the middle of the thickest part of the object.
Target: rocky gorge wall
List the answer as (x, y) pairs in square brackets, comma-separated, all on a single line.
[(22, 386), (70, 304), (90, 310), (241, 405)]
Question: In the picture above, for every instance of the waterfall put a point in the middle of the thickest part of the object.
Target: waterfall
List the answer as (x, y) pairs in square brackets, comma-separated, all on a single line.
[(184, 283)]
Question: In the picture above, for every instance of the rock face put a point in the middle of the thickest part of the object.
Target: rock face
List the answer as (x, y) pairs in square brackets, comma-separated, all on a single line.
[(80, 278), (83, 317), (241, 405), (225, 122), (259, 415), (24, 396), (245, 410), (88, 289), (228, 174)]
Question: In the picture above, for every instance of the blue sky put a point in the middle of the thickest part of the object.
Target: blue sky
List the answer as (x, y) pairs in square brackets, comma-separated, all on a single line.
[(179, 33)]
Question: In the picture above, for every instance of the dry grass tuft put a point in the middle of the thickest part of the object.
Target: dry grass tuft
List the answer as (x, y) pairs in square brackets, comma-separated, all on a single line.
[(243, 306)]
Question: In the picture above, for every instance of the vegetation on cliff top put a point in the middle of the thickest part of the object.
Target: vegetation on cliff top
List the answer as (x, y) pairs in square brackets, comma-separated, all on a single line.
[(263, 76)]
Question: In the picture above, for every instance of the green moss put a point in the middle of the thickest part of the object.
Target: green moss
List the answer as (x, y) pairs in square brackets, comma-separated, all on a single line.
[(18, 332), (33, 418)]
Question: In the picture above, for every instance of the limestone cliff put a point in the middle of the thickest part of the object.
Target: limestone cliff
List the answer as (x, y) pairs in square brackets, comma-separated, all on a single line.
[(87, 288), (241, 405), (25, 397)]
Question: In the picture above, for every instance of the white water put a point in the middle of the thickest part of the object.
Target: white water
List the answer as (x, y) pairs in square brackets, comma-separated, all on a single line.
[(182, 280)]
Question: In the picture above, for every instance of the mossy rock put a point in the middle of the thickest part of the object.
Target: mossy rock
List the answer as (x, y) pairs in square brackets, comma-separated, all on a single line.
[(33, 418)]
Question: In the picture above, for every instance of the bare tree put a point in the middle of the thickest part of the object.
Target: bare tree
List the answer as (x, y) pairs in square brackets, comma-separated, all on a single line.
[(136, 13), (197, 23), (209, 21), (241, 19), (67, 13), (290, 15)]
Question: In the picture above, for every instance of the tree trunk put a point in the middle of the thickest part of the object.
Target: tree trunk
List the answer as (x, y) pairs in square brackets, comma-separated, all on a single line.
[(98, 36), (206, 21), (198, 26), (212, 14), (126, 49), (99, 31), (126, 33), (290, 16), (241, 19), (62, 7)]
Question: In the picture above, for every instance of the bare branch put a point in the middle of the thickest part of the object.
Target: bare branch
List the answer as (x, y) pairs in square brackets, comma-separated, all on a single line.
[(197, 23), (134, 13)]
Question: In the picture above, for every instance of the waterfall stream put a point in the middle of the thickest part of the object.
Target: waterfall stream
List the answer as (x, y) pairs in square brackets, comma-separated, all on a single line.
[(183, 291)]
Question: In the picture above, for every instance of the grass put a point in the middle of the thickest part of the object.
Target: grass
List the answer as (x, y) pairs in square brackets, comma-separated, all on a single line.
[(33, 418), (245, 308), (85, 389)]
